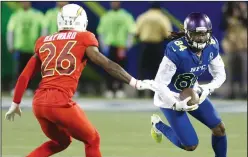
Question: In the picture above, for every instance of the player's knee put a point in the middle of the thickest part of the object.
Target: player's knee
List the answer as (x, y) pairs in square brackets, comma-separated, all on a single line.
[(191, 145), (65, 142), (95, 139), (219, 130), (69, 140), (190, 148)]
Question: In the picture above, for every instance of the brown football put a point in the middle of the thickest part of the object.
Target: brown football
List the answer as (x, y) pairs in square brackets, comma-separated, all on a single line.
[(189, 92)]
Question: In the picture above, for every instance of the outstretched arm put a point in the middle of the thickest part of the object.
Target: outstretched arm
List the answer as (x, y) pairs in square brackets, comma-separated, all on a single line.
[(29, 71), (116, 70), (111, 67)]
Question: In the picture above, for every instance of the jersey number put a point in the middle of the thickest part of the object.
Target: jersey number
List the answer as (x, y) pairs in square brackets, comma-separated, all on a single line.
[(179, 43), (65, 57), (185, 81)]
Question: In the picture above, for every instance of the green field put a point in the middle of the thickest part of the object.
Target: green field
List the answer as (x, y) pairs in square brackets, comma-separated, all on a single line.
[(123, 134)]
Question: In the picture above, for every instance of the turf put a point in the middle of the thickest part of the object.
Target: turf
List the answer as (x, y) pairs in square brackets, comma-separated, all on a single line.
[(123, 134)]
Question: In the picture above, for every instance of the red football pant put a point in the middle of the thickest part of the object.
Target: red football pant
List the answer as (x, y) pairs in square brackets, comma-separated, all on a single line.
[(60, 125)]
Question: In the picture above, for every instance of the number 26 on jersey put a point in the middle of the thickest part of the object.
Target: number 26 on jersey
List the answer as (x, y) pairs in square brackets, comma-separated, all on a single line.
[(64, 63)]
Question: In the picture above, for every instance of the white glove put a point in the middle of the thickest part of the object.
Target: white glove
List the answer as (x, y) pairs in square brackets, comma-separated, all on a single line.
[(144, 84), (203, 91), (14, 109), (182, 105)]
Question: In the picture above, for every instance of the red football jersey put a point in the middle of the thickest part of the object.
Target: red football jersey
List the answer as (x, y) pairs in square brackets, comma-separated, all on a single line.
[(63, 58)]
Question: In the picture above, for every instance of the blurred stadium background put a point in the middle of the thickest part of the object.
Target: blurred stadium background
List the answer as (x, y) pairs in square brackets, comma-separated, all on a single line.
[(124, 123)]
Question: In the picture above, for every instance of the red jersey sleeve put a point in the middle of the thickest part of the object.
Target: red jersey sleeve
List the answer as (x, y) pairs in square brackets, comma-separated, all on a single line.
[(31, 68), (90, 39)]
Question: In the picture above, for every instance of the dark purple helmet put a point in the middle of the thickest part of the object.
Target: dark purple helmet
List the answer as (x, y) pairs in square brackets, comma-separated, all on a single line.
[(198, 30)]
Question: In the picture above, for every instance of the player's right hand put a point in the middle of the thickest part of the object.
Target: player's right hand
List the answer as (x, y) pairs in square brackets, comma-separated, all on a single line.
[(182, 105), (14, 109), (203, 91), (146, 84)]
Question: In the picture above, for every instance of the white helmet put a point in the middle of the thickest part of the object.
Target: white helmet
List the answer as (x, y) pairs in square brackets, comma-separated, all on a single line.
[(72, 17)]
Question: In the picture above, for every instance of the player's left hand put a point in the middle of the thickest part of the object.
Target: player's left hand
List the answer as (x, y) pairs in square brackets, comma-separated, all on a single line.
[(203, 91), (14, 109), (146, 84)]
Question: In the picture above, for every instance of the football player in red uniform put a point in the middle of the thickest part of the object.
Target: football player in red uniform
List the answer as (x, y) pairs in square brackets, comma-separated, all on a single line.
[(61, 57)]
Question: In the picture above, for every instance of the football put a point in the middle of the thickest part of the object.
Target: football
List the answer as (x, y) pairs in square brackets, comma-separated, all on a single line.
[(189, 92)]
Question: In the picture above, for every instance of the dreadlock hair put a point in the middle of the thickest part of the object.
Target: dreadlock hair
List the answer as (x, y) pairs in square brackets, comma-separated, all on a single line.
[(176, 35)]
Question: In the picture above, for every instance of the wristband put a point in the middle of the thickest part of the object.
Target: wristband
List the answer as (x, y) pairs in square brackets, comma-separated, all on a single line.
[(13, 103), (133, 82)]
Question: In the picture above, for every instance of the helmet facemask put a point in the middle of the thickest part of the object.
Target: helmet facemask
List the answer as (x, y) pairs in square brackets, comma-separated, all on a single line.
[(198, 40)]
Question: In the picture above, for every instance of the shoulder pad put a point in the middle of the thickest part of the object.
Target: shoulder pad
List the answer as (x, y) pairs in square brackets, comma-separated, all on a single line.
[(177, 45), (214, 43)]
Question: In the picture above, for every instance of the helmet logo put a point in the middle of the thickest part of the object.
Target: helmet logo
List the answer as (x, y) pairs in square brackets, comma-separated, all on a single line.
[(79, 11)]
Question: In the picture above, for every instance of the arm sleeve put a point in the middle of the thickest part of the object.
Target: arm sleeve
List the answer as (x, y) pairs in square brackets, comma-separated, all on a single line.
[(12, 23), (165, 73), (90, 40), (31, 68), (172, 55), (10, 40), (217, 70), (10, 32), (131, 31)]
